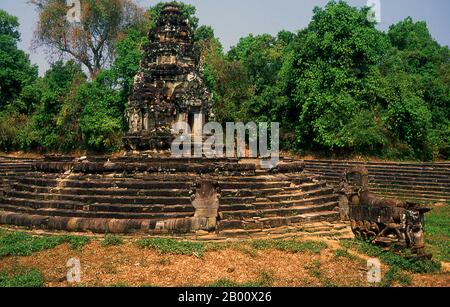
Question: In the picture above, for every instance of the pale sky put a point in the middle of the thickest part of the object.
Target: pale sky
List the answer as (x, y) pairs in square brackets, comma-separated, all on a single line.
[(233, 19)]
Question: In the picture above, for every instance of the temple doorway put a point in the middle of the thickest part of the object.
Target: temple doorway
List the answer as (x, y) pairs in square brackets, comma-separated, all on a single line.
[(191, 122)]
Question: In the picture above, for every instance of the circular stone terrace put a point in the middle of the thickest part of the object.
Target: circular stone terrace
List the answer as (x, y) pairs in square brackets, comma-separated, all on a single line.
[(144, 195)]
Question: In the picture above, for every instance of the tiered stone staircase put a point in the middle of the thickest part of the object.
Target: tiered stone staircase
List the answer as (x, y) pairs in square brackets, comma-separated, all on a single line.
[(92, 195), (10, 169), (422, 182)]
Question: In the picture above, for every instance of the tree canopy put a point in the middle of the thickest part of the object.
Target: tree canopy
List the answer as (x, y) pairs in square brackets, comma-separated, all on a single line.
[(16, 72), (92, 41), (338, 86)]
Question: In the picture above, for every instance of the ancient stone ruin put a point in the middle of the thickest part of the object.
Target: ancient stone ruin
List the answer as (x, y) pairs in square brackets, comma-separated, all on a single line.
[(388, 222), (158, 195), (147, 191), (168, 87)]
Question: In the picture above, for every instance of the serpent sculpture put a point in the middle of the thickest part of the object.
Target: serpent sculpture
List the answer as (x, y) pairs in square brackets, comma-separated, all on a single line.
[(386, 222)]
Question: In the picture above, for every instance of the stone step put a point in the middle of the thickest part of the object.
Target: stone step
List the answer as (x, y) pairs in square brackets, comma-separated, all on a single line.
[(301, 195), (290, 196), (302, 179), (142, 208), (125, 200), (391, 176), (90, 199), (165, 177), (100, 191), (151, 167), (14, 169), (411, 191), (394, 185), (266, 205), (313, 186), (307, 217), (154, 176), (92, 214), (397, 180), (433, 167), (431, 170), (147, 159), (154, 203), (234, 208), (389, 165), (270, 212), (224, 180), (399, 163), (411, 196), (311, 201), (144, 192), (414, 198), (297, 210), (264, 223), (135, 184), (95, 225), (124, 184), (104, 207)]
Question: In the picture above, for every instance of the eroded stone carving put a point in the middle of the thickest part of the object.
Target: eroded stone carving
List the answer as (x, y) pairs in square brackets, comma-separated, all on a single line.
[(387, 222), (205, 196)]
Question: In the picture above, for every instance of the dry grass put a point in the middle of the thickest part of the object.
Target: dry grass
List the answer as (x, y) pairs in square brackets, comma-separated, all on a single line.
[(130, 265)]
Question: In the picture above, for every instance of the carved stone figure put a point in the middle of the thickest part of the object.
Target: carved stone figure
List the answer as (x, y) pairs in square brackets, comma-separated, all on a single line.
[(205, 196), (387, 222)]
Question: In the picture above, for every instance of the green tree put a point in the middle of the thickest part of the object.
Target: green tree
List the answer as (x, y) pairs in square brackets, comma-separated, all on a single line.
[(101, 121), (332, 62), (255, 62), (92, 42), (16, 72), (421, 65), (121, 74), (56, 116)]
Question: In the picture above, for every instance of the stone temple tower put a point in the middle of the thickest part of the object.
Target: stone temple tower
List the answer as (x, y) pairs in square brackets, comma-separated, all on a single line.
[(168, 87)]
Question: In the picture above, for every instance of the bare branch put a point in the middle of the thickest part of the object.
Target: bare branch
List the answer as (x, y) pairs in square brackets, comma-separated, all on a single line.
[(91, 42)]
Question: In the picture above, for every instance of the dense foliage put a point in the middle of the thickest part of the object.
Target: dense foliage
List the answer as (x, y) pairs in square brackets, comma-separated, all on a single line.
[(338, 86)]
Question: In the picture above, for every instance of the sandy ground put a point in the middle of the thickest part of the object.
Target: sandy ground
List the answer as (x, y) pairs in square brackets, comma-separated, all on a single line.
[(132, 266)]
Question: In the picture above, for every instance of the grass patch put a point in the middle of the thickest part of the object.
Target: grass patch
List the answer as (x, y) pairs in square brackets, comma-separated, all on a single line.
[(399, 261), (119, 285), (437, 233), (398, 264), (343, 253), (22, 279), (165, 261), (242, 247), (172, 246), (23, 244), (315, 270), (111, 240), (349, 243), (395, 276), (265, 279), (75, 242), (291, 246), (223, 283)]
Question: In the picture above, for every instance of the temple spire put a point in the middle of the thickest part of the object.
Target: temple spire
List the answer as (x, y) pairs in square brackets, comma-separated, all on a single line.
[(168, 87)]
